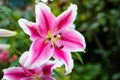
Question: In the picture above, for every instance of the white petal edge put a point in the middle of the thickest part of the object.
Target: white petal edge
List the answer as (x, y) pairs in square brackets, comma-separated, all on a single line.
[(23, 58), (23, 24), (69, 70), (74, 8)]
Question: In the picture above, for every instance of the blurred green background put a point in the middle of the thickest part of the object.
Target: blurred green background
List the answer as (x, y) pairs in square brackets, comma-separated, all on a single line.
[(97, 20)]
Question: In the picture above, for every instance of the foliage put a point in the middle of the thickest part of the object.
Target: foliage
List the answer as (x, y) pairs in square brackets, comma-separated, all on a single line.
[(97, 20)]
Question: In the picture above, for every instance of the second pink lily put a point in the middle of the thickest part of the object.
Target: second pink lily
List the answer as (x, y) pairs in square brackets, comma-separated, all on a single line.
[(43, 72)]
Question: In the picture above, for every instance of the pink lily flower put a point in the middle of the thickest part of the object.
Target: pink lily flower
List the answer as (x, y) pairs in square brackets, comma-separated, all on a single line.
[(52, 36), (43, 72)]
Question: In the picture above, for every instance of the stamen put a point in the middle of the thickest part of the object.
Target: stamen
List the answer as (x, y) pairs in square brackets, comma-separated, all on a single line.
[(60, 33), (61, 47), (49, 34), (51, 46), (52, 38), (55, 36), (49, 39)]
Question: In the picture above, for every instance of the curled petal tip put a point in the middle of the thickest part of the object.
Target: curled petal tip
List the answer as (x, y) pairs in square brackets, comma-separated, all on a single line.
[(84, 51), (73, 6)]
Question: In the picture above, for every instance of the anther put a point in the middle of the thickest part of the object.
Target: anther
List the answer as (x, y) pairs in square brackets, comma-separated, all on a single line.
[(55, 36), (61, 47), (59, 33), (49, 39), (51, 46)]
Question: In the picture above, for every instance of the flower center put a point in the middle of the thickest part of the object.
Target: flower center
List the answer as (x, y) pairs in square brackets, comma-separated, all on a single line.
[(53, 38)]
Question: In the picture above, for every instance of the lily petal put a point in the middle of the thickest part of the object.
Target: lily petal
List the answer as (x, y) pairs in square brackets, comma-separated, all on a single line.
[(72, 40), (44, 18), (14, 73), (66, 18), (65, 57), (50, 65), (40, 52), (29, 28)]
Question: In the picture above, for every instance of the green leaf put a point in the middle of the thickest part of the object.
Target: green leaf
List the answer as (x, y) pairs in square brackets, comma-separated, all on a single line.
[(79, 57)]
